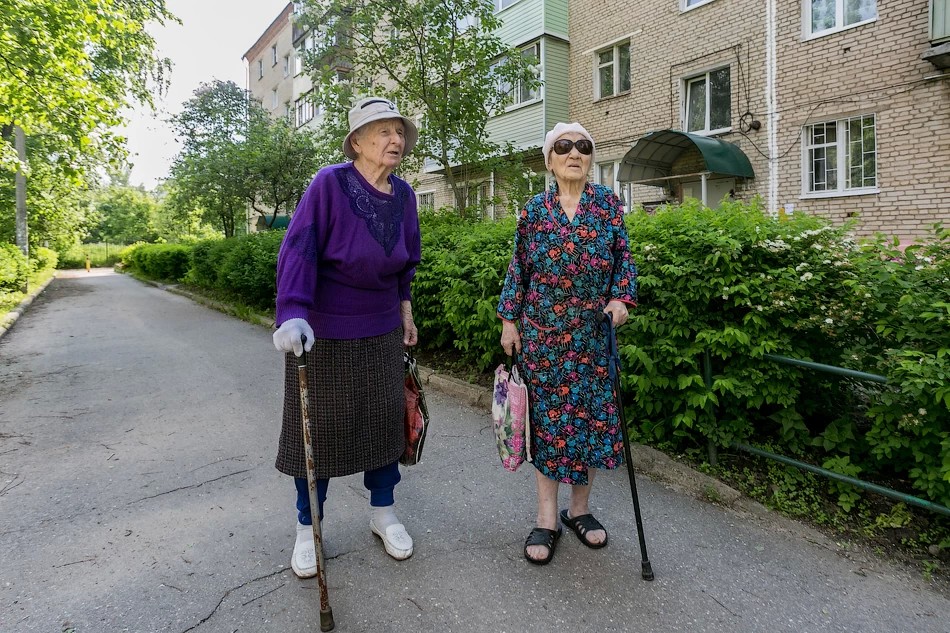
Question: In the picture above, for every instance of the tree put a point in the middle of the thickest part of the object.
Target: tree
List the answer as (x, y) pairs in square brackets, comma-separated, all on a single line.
[(209, 171), (235, 156), (438, 59), (125, 215), (67, 69), (280, 162)]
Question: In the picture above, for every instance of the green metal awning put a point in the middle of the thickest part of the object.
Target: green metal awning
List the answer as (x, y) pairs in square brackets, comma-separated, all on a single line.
[(653, 155)]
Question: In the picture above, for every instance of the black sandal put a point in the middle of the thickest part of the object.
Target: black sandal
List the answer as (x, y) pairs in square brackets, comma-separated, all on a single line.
[(545, 537), (582, 525)]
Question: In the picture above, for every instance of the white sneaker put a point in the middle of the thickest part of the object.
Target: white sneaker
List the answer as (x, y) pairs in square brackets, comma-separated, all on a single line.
[(395, 539), (304, 559)]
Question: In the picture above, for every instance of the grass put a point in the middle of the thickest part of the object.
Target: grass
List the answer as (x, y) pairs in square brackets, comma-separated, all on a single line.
[(10, 300)]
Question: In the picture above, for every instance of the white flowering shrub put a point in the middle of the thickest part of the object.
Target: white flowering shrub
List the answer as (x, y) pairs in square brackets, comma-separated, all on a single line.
[(738, 284)]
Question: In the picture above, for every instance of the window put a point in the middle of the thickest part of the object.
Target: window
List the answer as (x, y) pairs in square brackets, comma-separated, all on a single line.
[(273, 54), (689, 4), (425, 201), (503, 4), (605, 175), (274, 102), (260, 69), (828, 16), (304, 108), (708, 98), (523, 92), (840, 157), (613, 70), (286, 65), (298, 64)]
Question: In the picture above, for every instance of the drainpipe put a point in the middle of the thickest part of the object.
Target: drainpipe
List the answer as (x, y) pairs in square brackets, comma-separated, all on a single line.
[(704, 196), (771, 104)]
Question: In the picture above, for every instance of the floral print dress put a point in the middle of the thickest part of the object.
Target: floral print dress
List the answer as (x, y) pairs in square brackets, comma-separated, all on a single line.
[(561, 276)]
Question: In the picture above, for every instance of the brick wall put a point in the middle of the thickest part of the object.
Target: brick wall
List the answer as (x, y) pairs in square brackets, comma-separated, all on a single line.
[(874, 69)]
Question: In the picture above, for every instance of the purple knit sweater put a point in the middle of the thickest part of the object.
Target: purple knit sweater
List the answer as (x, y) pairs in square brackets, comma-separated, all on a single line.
[(349, 255)]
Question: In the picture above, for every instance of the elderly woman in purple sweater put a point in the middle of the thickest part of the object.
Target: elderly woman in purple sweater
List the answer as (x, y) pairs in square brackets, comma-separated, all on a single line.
[(343, 280)]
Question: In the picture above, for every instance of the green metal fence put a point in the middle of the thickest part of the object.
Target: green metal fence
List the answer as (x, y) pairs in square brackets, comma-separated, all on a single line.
[(859, 483)]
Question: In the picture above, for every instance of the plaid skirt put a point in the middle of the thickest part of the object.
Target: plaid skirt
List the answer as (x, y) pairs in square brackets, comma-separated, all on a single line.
[(357, 405)]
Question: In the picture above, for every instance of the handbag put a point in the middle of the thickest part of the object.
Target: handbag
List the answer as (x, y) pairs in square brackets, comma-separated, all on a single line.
[(416, 419), (511, 417)]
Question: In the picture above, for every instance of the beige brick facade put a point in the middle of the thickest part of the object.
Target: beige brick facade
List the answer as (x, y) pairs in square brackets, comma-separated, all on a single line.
[(270, 66), (872, 69)]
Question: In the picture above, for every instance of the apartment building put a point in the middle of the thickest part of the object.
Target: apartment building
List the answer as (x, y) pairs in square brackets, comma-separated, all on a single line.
[(538, 29), (827, 106), (270, 64)]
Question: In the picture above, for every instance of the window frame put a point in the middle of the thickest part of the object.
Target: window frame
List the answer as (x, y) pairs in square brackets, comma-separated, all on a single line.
[(808, 34), (501, 6), (842, 163), (260, 68), (304, 109), (686, 84), (686, 6), (614, 47), (419, 203), (274, 56)]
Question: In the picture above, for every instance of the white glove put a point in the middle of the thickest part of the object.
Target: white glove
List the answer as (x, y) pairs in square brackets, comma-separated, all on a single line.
[(287, 336)]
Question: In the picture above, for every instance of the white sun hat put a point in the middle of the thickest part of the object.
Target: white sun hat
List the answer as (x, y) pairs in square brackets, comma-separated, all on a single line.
[(376, 109)]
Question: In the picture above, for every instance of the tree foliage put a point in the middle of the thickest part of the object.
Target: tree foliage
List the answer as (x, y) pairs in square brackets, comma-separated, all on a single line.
[(70, 66), (234, 156), (440, 60), (124, 215), (67, 70)]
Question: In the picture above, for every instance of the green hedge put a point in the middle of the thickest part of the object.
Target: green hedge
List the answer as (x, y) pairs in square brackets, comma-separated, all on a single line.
[(166, 262), (14, 268), (733, 283)]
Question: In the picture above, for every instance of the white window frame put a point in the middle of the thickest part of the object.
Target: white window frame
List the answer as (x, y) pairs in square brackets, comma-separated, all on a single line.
[(614, 48), (421, 196), (298, 63), (501, 5), (274, 57), (287, 65), (304, 109), (839, 20), (274, 101), (689, 5), (687, 84), (842, 169), (260, 68), (514, 100)]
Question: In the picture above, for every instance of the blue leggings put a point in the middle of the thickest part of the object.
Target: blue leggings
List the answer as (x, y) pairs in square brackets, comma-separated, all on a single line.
[(380, 483)]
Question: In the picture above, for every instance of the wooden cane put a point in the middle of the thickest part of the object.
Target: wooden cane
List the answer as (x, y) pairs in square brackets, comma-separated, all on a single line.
[(326, 613)]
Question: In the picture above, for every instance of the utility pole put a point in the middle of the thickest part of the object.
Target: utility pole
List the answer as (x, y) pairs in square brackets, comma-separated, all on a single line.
[(22, 228)]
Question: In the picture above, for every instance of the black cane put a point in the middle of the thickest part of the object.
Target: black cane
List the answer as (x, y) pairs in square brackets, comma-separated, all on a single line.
[(326, 613), (646, 570)]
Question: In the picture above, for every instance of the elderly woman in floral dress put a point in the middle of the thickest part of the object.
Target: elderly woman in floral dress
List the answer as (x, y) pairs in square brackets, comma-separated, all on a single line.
[(571, 265)]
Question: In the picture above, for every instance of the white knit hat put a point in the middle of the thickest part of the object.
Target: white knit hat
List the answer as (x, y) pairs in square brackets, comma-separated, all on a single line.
[(560, 130), (376, 109)]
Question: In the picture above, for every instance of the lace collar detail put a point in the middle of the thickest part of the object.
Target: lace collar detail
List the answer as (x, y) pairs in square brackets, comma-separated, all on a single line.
[(382, 213)]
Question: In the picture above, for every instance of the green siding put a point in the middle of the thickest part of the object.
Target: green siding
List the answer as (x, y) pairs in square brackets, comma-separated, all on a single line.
[(521, 22), (522, 126), (555, 18), (555, 82), (526, 126), (527, 20)]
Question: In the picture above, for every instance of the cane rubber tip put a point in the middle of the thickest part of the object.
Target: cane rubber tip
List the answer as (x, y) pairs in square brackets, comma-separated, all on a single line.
[(646, 572), (326, 620)]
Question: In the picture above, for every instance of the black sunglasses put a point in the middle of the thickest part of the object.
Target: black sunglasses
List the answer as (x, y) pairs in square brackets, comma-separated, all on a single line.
[(563, 146)]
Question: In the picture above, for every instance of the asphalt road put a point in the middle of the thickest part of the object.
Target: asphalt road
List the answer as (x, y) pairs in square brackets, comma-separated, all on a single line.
[(137, 493)]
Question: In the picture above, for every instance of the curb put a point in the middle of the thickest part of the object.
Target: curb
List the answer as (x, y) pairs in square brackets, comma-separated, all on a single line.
[(11, 317)]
